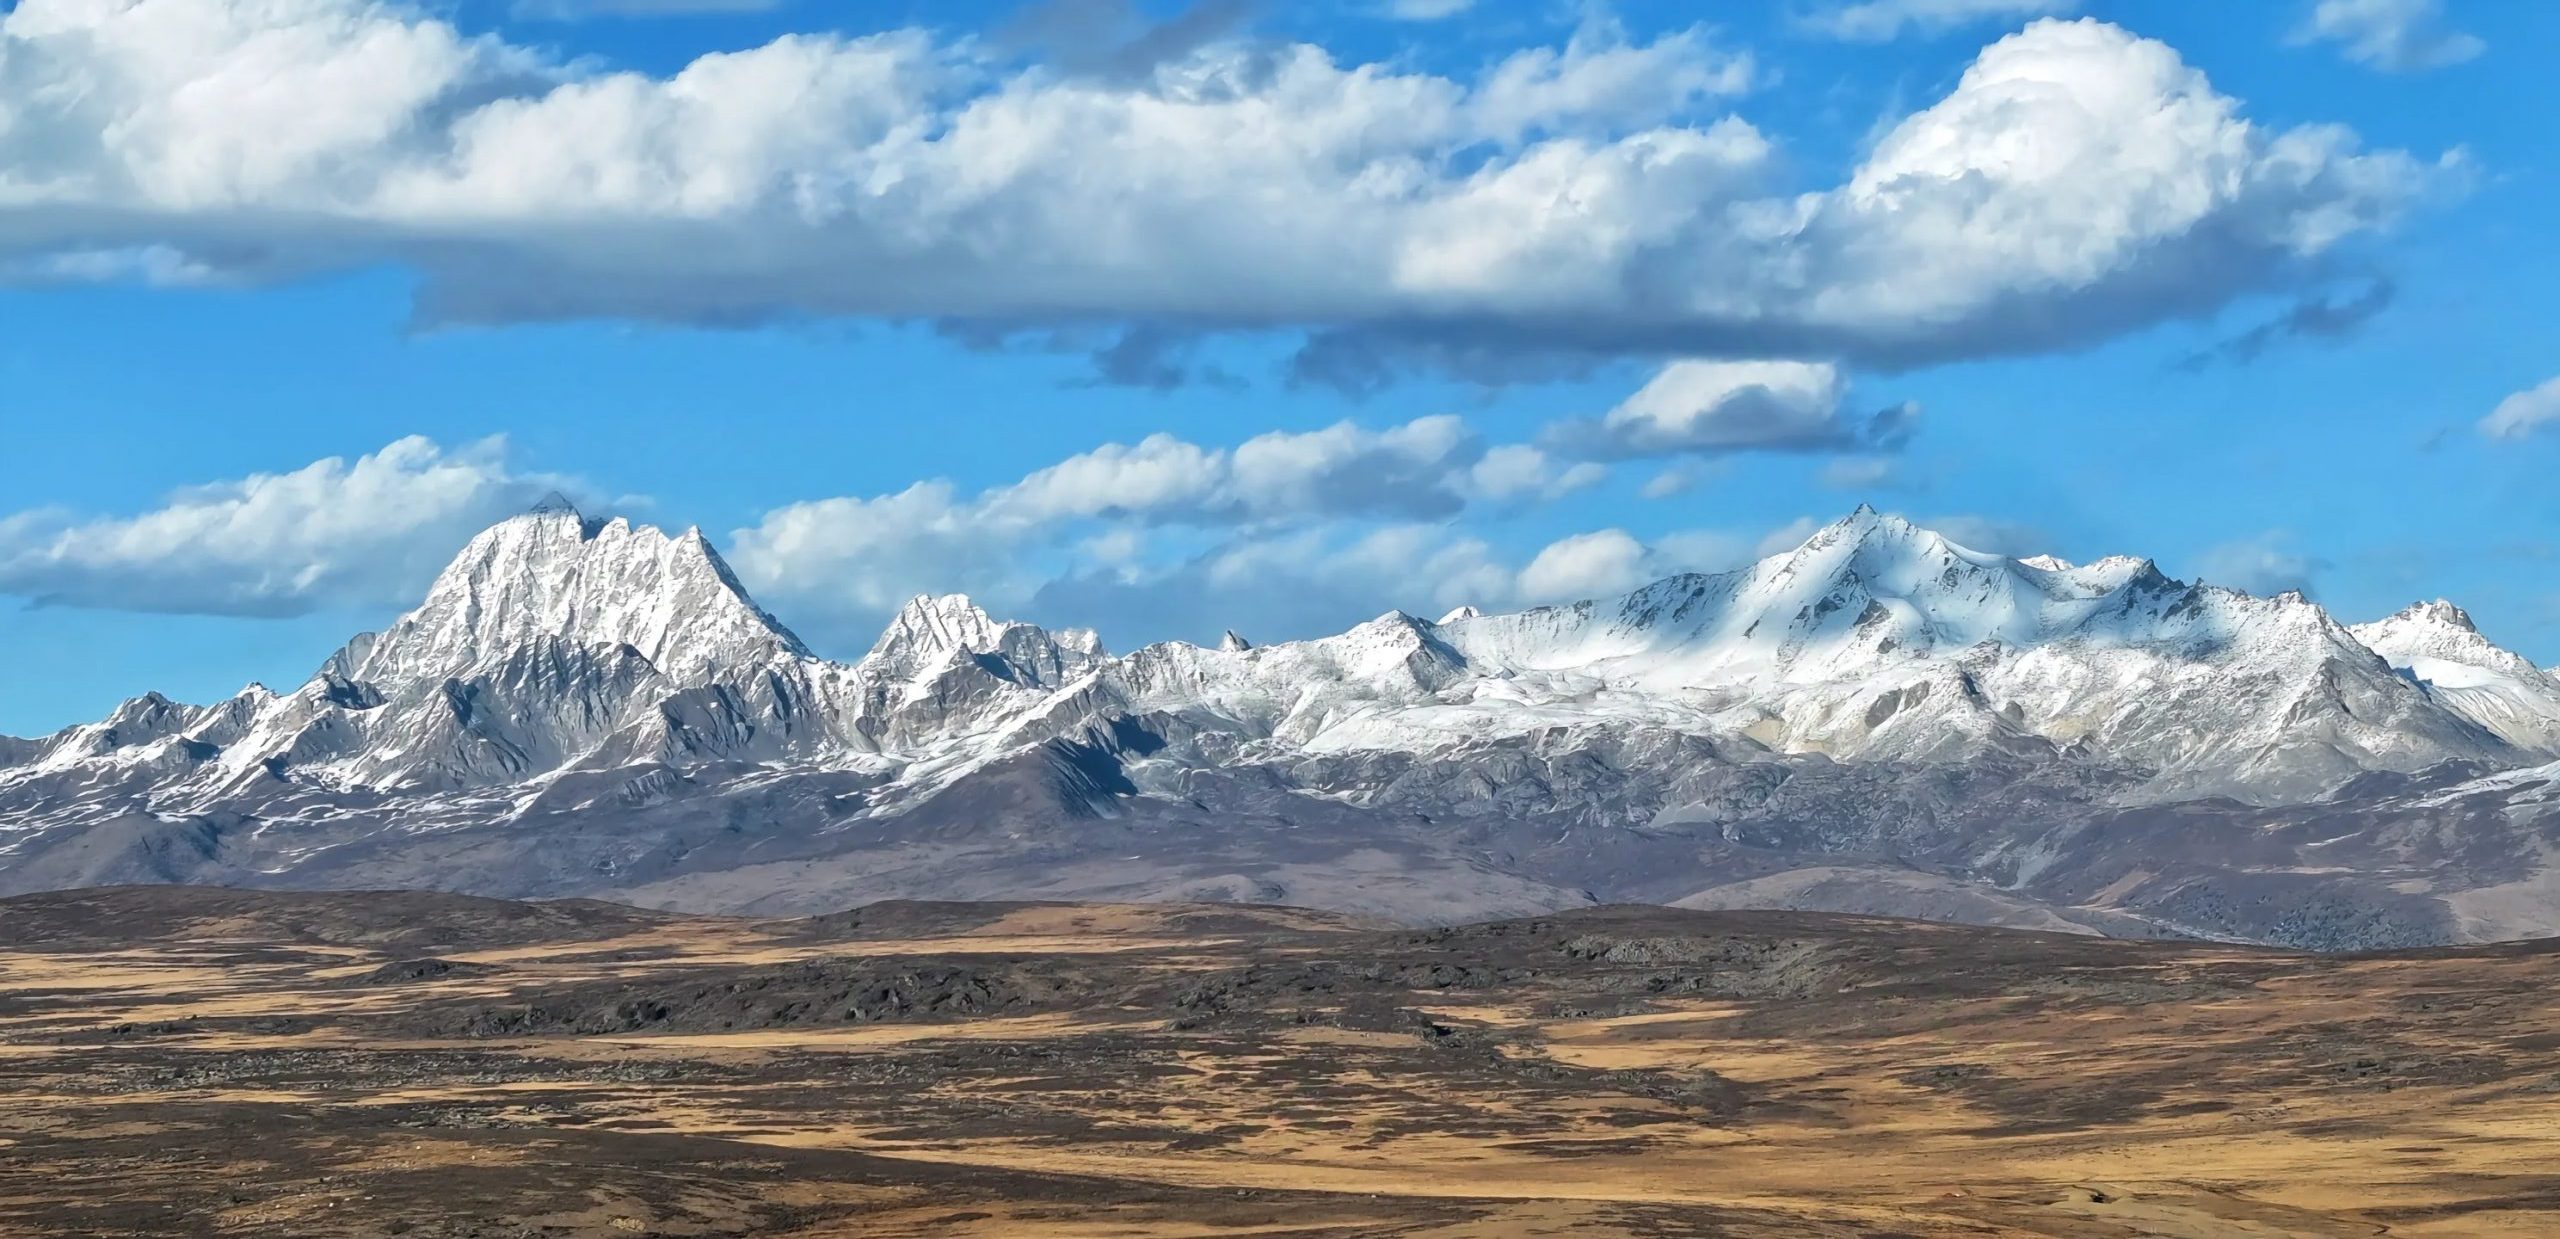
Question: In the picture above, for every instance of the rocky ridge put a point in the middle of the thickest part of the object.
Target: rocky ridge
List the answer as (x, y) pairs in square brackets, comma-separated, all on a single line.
[(590, 706)]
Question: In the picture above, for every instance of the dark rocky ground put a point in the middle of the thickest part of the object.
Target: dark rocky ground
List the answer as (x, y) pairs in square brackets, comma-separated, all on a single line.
[(192, 1061)]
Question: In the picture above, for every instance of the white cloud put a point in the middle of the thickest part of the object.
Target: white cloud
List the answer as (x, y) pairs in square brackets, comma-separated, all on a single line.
[(1299, 533), (1272, 586), (849, 559), (1312, 582), (1714, 407), (1601, 77), (1578, 202), (2075, 155), (2396, 36), (1587, 565), (1613, 561), (1520, 471), (2267, 564), (2524, 413), (1292, 534), (155, 265), (1879, 21), (372, 531), (1317, 579), (1344, 515)]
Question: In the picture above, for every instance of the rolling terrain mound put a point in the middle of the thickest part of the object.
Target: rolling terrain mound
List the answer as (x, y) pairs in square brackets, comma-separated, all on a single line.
[(442, 1066), (385, 920)]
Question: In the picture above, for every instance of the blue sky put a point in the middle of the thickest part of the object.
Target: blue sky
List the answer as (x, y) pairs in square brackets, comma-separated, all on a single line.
[(1524, 302)]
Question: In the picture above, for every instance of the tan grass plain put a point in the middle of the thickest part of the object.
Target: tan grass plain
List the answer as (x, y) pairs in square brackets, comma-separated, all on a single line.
[(207, 1087)]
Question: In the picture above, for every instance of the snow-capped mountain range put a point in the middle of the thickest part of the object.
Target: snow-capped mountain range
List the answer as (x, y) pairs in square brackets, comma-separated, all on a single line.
[(1879, 719)]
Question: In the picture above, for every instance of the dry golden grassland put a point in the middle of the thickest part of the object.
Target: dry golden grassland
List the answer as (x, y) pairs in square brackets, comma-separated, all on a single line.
[(178, 1062)]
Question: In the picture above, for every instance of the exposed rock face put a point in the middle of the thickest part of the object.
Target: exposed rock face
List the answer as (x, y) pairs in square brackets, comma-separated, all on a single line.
[(590, 706)]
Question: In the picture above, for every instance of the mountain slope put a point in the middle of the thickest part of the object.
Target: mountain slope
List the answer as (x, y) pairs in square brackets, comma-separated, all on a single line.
[(1877, 719), (1875, 640), (2437, 645)]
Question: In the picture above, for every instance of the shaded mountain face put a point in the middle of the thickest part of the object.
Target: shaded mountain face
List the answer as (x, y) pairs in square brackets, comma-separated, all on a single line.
[(1879, 720)]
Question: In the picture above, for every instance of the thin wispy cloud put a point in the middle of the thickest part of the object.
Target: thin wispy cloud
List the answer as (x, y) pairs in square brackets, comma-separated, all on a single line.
[(2320, 316), (1425, 10), (1879, 21), (2395, 36), (581, 10)]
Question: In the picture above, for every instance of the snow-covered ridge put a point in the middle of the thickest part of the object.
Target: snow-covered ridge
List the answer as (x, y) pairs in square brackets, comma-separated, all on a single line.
[(2437, 645), (552, 574), (557, 644)]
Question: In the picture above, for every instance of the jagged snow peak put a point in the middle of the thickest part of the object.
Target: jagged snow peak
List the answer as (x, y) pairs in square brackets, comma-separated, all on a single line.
[(557, 643), (554, 575), (1879, 640), (2437, 645)]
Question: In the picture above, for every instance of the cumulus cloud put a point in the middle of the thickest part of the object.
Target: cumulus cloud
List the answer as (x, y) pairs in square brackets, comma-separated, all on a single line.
[(853, 558), (2395, 36), (1292, 534), (1277, 585), (1613, 561), (2524, 413), (372, 531), (2269, 563), (1718, 407), (1321, 522), (1879, 21), (1519, 471), (1608, 561), (1311, 582), (1584, 201)]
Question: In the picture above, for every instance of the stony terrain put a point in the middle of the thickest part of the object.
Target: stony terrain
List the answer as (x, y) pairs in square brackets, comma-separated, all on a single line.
[(188, 1061)]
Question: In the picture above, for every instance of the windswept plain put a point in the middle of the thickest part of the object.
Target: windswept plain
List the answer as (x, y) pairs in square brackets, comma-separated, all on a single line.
[(184, 1061)]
